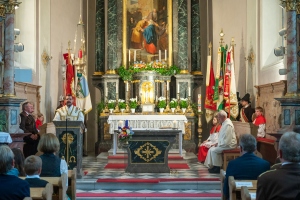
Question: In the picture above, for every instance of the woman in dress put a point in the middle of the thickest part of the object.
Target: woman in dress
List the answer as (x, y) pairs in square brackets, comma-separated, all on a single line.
[(211, 140)]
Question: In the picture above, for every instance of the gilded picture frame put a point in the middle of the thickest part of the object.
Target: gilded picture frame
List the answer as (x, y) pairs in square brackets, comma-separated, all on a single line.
[(130, 6)]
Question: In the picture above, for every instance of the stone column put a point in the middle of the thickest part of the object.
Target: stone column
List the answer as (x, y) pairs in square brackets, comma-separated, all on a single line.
[(8, 80)]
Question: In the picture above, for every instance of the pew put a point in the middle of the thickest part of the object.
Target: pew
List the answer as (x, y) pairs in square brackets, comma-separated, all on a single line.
[(235, 186), (267, 148), (59, 184), (248, 194), (72, 176), (222, 178), (42, 192)]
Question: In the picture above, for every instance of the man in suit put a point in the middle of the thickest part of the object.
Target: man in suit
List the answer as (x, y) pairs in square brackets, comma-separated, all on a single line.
[(33, 168), (282, 183), (248, 166), (28, 126), (11, 186)]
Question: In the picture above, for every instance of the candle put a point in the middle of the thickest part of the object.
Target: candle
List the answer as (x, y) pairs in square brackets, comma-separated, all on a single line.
[(178, 88), (175, 124), (136, 98), (167, 85), (159, 55), (106, 91), (117, 88), (120, 123), (166, 54), (189, 91), (129, 55), (127, 86), (134, 57), (80, 53)]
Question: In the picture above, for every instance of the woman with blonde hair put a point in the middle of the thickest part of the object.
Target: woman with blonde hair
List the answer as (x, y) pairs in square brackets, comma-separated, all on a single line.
[(52, 166)]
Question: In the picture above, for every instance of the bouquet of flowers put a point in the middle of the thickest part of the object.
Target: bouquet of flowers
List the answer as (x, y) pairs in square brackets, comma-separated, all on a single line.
[(173, 103), (162, 102), (133, 103), (125, 133), (111, 104), (122, 104), (183, 103)]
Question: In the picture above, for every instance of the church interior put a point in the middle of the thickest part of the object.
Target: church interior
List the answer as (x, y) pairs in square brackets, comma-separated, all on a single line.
[(149, 52)]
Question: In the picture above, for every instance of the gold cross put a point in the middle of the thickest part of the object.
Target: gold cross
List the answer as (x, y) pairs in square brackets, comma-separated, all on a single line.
[(148, 152)]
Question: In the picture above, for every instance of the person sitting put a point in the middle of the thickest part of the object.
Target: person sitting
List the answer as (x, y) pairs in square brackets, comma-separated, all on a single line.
[(226, 140), (33, 168), (246, 167), (11, 187), (39, 121), (260, 121), (18, 169), (211, 140), (282, 182), (246, 111)]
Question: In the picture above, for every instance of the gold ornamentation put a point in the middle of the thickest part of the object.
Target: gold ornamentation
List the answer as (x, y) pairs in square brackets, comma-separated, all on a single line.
[(291, 5), (45, 58), (292, 94), (196, 73), (188, 131), (98, 73), (184, 71), (106, 136), (147, 152), (2, 10), (111, 71)]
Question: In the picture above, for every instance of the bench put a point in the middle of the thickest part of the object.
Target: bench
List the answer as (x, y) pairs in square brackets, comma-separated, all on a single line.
[(267, 148), (235, 186), (72, 176), (42, 192), (247, 194), (59, 184)]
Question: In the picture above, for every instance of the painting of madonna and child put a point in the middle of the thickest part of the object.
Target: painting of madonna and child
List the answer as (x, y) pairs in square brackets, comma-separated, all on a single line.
[(147, 31)]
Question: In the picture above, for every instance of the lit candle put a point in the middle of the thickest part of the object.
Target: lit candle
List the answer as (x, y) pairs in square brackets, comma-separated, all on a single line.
[(167, 85), (80, 53), (129, 55), (159, 55), (165, 54), (189, 91), (127, 86), (178, 88), (134, 57)]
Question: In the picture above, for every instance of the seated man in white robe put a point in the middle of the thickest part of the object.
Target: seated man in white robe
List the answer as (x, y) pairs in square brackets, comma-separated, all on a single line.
[(226, 140)]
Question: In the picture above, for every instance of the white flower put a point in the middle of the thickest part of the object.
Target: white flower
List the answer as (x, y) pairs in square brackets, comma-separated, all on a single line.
[(132, 99), (174, 99), (183, 99), (121, 100), (161, 98), (111, 101)]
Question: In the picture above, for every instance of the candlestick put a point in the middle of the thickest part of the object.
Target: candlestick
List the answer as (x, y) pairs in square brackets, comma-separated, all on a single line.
[(165, 54), (167, 85), (189, 91), (80, 53), (134, 57), (129, 55), (159, 53)]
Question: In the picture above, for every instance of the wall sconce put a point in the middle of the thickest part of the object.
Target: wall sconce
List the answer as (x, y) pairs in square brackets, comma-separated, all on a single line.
[(250, 57), (45, 58)]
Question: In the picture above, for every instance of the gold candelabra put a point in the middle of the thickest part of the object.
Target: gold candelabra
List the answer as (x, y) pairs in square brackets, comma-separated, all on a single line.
[(117, 110), (178, 110), (167, 110), (105, 110), (189, 108)]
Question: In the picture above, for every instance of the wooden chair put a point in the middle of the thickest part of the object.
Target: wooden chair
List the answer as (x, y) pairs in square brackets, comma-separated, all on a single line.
[(59, 183), (72, 176), (42, 192), (235, 186), (247, 194), (222, 178), (229, 155)]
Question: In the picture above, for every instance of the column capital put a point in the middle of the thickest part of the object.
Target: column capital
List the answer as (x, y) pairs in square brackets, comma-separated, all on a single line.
[(8, 7), (289, 5)]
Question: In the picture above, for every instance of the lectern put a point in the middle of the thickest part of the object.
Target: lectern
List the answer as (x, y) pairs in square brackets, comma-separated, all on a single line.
[(69, 134)]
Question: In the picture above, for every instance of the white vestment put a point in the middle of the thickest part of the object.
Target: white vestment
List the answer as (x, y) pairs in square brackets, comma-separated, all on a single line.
[(226, 140), (71, 113)]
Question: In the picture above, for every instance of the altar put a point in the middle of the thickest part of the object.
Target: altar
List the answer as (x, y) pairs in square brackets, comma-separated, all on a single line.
[(147, 122)]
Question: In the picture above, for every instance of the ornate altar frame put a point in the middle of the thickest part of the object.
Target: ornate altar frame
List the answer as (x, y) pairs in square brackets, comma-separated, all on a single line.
[(170, 35)]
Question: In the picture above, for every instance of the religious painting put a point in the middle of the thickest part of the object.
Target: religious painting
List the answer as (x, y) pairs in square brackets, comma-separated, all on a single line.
[(148, 31)]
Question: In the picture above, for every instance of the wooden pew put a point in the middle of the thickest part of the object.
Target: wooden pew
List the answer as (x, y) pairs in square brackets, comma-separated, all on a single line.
[(72, 176), (248, 194), (222, 178), (27, 198), (235, 186), (59, 183), (42, 192)]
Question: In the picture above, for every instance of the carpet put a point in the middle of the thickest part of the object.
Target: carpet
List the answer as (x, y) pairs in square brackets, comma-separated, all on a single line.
[(123, 165), (152, 180), (170, 157)]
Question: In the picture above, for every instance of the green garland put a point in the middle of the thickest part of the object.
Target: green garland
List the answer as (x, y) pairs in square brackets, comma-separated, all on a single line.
[(127, 74)]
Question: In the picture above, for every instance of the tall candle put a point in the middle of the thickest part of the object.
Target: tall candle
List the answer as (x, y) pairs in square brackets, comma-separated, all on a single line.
[(106, 91), (189, 91), (178, 88), (167, 85), (129, 55), (159, 55), (165, 54), (134, 57), (127, 86), (117, 88)]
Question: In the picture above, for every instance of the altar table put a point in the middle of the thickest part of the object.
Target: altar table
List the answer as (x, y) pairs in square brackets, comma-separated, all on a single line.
[(147, 122)]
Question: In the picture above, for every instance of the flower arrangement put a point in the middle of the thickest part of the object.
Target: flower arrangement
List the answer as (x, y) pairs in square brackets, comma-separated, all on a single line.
[(125, 133), (111, 104), (162, 102), (183, 103), (173, 103), (132, 103), (122, 104)]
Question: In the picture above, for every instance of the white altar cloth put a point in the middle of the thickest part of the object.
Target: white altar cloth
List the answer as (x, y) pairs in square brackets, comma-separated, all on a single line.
[(146, 122)]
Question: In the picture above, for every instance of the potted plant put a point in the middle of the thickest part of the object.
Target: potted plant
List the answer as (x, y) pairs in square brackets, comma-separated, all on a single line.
[(162, 104), (133, 104), (183, 104), (111, 105), (122, 104), (173, 104)]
